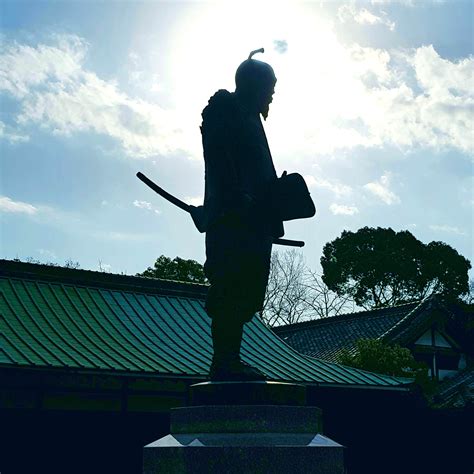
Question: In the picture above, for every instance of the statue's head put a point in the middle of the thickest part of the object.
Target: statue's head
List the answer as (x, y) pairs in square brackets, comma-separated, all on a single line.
[(255, 82)]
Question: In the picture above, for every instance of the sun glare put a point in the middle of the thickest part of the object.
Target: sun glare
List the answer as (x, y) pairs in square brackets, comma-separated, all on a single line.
[(300, 45), (214, 39)]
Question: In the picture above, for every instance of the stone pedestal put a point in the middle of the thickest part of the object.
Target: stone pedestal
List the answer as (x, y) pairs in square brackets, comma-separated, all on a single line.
[(247, 393), (245, 427)]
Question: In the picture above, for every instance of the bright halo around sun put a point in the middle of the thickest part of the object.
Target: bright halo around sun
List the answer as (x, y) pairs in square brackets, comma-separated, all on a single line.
[(300, 45)]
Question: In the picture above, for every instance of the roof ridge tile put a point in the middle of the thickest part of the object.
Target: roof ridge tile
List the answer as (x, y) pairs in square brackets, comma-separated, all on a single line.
[(35, 271), (357, 315)]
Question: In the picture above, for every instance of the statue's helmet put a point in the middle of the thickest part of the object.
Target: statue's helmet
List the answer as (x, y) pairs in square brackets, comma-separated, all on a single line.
[(254, 75)]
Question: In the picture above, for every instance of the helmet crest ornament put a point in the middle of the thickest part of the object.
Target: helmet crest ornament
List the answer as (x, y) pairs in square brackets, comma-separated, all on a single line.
[(255, 51)]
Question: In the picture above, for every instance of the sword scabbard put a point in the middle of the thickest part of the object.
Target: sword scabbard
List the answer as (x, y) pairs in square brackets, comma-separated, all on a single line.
[(185, 207)]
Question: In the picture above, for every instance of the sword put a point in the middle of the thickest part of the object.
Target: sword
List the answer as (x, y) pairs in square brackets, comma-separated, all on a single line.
[(194, 211)]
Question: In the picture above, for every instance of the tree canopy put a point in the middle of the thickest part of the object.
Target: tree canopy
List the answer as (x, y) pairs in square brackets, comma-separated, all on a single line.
[(380, 267), (382, 358), (176, 269)]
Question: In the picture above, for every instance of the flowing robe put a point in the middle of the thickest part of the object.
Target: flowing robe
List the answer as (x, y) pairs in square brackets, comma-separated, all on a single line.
[(238, 173)]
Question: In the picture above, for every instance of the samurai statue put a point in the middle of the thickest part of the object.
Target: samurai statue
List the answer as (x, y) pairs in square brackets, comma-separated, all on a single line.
[(245, 205), (240, 227)]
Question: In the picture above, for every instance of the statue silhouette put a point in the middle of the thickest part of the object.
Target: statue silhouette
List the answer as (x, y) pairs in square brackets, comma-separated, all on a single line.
[(239, 174), (245, 204)]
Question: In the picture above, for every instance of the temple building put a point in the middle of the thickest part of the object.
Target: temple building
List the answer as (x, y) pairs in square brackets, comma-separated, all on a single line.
[(91, 364), (428, 328)]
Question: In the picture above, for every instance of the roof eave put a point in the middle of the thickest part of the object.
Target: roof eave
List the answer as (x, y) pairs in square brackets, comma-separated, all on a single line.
[(195, 377)]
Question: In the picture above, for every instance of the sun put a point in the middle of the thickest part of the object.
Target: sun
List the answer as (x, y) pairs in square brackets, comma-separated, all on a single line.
[(299, 43)]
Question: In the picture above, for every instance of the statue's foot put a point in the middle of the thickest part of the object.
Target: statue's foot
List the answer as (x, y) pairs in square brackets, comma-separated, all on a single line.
[(235, 370)]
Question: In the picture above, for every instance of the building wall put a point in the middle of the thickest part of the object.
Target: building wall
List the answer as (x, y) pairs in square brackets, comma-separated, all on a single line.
[(393, 433), (77, 442), (443, 358), (384, 432)]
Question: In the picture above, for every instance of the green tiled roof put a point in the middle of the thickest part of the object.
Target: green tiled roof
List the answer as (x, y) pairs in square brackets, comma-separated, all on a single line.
[(80, 320)]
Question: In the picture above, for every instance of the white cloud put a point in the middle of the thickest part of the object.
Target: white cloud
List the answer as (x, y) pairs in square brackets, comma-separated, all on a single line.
[(349, 12), (447, 228), (10, 135), (337, 188), (104, 267), (359, 97), (194, 200), (8, 205), (372, 98), (146, 205), (143, 205), (139, 75), (381, 189), (448, 100), (135, 76), (58, 94), (407, 3), (48, 254), (281, 46), (23, 67), (338, 209), (77, 224)]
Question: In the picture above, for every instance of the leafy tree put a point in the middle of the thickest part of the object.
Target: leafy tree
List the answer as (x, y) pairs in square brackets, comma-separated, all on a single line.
[(382, 358), (469, 298), (380, 267), (176, 269)]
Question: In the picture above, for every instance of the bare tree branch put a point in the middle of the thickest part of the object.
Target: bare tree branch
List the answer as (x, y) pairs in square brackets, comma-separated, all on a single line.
[(296, 293)]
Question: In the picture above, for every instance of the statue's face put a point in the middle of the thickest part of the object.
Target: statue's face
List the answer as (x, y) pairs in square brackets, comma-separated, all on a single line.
[(266, 98)]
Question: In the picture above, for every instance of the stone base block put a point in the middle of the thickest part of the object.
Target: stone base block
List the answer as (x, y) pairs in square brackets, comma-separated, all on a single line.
[(320, 456), (246, 419), (244, 439), (247, 393)]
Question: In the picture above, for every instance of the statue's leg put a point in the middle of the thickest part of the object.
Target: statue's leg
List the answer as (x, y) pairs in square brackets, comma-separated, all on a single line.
[(226, 362), (237, 269), (226, 340)]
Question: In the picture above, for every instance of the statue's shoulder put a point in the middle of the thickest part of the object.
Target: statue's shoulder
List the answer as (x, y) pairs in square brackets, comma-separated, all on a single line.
[(221, 110)]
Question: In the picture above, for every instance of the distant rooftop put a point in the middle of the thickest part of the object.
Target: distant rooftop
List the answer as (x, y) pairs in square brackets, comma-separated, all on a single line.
[(326, 337)]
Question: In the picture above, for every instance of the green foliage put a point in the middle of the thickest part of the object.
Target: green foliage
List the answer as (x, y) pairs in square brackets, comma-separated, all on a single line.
[(380, 267), (382, 358), (177, 269)]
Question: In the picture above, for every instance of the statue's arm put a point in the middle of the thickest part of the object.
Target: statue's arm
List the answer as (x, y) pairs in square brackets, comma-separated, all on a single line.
[(221, 136), (224, 163)]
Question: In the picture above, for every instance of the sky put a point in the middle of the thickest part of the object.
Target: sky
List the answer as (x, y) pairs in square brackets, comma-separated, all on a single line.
[(373, 106)]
